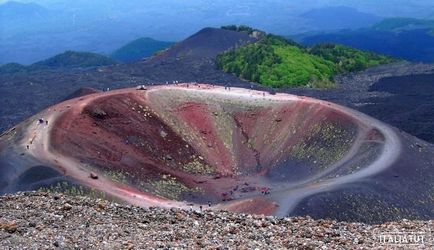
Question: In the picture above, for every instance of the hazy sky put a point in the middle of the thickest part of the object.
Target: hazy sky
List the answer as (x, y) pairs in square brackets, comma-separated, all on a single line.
[(103, 25), (380, 7)]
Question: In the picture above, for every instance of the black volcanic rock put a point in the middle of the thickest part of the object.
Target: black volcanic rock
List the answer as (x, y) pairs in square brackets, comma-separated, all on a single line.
[(410, 105), (399, 94), (207, 43), (400, 192)]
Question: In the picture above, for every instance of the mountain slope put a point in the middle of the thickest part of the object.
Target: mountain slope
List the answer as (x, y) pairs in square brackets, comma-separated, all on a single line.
[(339, 17), (17, 11), (12, 68), (139, 49), (413, 45), (75, 59), (207, 43), (68, 59), (399, 24)]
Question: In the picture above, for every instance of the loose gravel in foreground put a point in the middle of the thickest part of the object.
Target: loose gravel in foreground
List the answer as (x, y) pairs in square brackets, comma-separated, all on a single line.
[(55, 221)]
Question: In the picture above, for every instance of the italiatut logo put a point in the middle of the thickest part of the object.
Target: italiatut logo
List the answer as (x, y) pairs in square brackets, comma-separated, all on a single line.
[(396, 238)]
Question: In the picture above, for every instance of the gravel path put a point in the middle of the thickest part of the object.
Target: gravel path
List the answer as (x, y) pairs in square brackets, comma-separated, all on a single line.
[(50, 221)]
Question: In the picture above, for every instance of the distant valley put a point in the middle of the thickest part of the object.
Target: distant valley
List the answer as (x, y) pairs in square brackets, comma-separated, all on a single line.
[(134, 51), (406, 38), (31, 32)]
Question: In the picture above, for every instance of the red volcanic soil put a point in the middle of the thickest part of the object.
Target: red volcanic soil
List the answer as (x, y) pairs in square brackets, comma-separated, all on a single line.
[(197, 117), (122, 136), (199, 145)]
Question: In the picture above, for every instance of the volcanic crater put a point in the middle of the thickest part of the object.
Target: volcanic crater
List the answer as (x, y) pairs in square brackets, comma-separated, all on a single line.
[(199, 145)]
